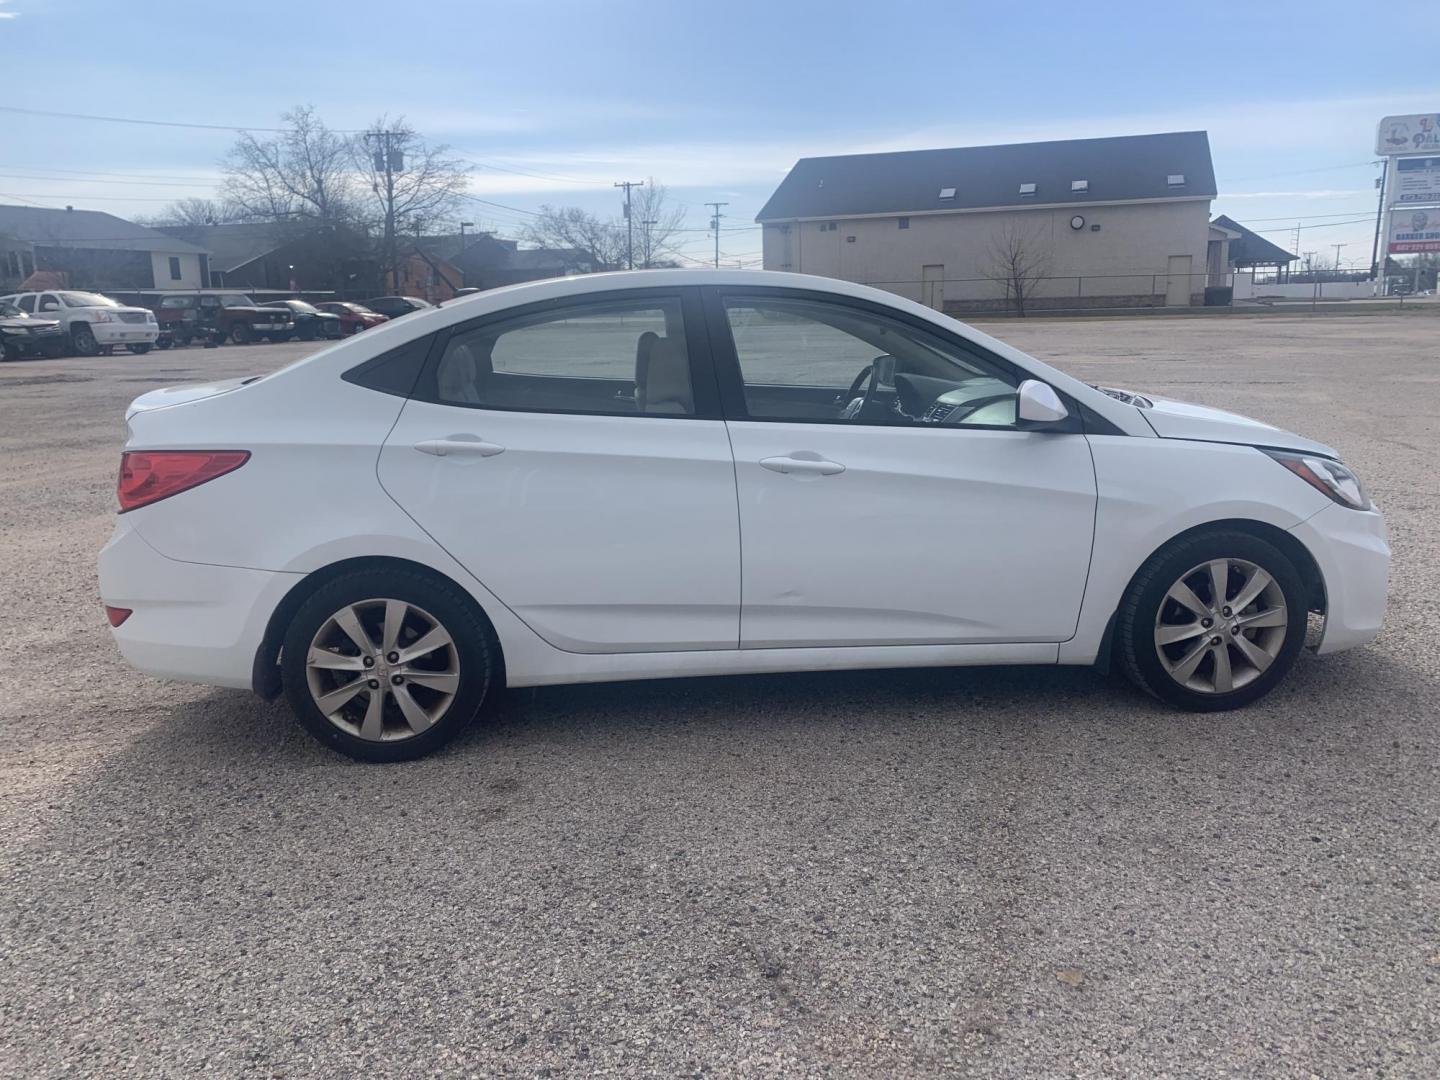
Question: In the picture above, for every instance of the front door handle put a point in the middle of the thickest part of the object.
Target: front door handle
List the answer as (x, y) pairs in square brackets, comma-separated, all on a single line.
[(460, 446), (810, 464)]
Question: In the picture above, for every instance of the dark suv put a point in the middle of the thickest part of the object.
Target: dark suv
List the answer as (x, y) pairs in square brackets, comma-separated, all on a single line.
[(310, 321), (220, 316)]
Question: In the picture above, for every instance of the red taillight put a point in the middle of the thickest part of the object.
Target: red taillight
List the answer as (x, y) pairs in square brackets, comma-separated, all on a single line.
[(147, 476), (117, 615)]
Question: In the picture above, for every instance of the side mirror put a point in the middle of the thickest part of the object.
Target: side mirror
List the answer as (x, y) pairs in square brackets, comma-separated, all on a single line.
[(1038, 403)]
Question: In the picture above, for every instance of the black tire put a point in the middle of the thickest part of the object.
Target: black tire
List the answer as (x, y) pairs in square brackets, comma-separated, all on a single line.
[(475, 648), (164, 343), (140, 348), (82, 338), (1135, 646), (240, 333), (306, 333), (8, 351)]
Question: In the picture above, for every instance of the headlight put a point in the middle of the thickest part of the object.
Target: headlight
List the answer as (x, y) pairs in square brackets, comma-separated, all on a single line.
[(102, 316), (149, 316), (1323, 474)]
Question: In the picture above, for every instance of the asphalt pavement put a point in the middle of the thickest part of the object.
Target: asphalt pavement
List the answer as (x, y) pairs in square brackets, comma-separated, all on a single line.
[(976, 872)]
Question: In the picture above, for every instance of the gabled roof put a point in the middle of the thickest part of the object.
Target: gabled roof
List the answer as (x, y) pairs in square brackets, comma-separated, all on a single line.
[(1252, 249), (230, 246), (92, 229), (1128, 167)]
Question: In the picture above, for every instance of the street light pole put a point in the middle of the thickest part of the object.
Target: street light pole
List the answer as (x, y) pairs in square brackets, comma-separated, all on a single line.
[(463, 226)]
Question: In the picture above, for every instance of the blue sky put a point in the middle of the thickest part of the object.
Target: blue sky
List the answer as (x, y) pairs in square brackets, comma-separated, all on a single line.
[(716, 100)]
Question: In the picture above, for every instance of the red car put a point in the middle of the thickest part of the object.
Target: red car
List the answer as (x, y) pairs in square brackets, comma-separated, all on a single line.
[(353, 317)]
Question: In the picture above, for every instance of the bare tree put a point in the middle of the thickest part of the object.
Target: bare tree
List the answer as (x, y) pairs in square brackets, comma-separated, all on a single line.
[(413, 185), (655, 221), (1018, 258), (602, 242), (302, 173), (195, 211)]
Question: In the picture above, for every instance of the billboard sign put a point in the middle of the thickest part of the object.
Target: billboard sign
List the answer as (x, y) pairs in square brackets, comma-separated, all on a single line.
[(1419, 134), (1414, 231), (1415, 181)]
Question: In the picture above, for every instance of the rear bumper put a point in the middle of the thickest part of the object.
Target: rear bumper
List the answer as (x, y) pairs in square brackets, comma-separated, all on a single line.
[(191, 621), (1354, 558)]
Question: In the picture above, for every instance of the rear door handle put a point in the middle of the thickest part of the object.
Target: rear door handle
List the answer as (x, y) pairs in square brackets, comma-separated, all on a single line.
[(460, 446), (809, 465)]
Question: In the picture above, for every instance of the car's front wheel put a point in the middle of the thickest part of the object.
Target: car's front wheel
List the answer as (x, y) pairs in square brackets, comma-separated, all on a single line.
[(387, 665), (83, 339), (1213, 621), (139, 348), (240, 333)]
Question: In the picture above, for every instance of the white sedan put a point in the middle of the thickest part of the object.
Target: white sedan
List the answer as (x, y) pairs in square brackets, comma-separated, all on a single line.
[(672, 473)]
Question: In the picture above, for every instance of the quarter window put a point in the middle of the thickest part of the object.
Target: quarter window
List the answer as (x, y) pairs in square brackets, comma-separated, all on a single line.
[(820, 361), (621, 357)]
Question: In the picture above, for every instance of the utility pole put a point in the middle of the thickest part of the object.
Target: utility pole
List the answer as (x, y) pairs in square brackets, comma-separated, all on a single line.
[(388, 163), (715, 224), (629, 228), (463, 226), (1337, 248), (1379, 220), (646, 243)]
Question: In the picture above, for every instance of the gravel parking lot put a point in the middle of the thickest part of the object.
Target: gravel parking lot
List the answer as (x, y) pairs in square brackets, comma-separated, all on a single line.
[(998, 873)]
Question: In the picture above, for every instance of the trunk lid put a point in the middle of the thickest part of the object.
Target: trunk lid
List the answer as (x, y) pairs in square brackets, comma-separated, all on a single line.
[(184, 393)]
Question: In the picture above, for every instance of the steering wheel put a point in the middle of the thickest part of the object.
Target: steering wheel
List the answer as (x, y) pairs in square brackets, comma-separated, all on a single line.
[(856, 402)]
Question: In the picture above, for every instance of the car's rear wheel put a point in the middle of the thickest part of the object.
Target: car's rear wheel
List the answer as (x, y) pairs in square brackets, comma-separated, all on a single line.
[(1214, 621), (83, 340), (240, 333), (140, 348), (387, 665)]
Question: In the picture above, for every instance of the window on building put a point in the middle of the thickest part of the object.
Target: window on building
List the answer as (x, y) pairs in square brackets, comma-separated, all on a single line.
[(1027, 189), (1175, 180), (947, 193), (174, 268), (1079, 185), (903, 222)]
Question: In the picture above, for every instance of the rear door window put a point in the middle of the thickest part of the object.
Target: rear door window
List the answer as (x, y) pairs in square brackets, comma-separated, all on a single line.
[(626, 357)]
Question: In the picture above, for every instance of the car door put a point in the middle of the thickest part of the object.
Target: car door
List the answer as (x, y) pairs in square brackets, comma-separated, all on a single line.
[(910, 510), (571, 456)]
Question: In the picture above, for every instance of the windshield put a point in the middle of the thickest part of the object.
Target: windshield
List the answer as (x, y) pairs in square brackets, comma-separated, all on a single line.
[(299, 305), (9, 310), (86, 299)]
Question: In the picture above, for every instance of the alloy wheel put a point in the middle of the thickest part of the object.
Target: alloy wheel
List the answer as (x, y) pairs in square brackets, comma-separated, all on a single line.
[(382, 670), (1221, 625)]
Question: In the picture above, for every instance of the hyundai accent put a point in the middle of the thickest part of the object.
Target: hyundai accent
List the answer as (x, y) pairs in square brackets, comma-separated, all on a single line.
[(689, 472)]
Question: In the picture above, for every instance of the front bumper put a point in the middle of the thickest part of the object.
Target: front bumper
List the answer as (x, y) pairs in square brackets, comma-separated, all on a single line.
[(190, 621), (123, 333), (1354, 558)]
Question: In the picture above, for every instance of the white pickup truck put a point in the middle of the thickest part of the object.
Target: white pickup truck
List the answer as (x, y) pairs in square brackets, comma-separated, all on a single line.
[(93, 323)]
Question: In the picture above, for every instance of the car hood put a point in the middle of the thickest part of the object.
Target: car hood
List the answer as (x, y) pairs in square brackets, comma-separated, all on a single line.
[(179, 395), (1181, 420)]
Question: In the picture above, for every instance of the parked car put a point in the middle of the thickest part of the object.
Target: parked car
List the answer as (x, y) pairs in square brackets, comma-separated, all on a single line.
[(353, 317), (392, 307), (92, 323), (221, 316), (694, 472), (22, 334), (310, 322)]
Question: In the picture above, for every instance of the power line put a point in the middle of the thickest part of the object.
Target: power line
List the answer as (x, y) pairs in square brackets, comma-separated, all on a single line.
[(89, 180), (156, 123), (83, 173), (1326, 225), (1299, 172)]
